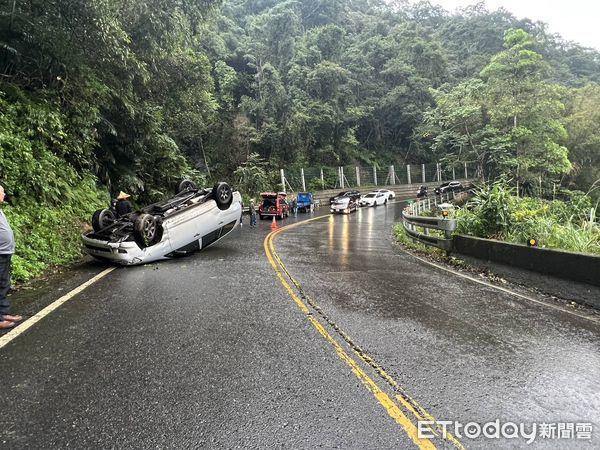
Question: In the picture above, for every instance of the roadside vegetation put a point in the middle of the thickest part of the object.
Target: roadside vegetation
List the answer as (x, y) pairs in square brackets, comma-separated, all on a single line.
[(405, 240), (49, 201), (495, 212)]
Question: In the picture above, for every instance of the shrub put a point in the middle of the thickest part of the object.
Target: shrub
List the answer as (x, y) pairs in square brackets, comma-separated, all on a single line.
[(49, 235), (495, 213), (491, 206), (51, 201)]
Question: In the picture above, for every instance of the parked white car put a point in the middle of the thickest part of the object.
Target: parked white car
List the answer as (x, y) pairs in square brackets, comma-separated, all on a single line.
[(373, 199), (191, 220), (389, 194)]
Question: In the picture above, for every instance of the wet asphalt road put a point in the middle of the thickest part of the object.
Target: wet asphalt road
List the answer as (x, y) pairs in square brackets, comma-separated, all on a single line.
[(211, 350)]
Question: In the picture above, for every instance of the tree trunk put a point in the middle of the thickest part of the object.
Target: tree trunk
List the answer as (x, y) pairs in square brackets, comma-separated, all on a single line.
[(12, 16), (204, 156)]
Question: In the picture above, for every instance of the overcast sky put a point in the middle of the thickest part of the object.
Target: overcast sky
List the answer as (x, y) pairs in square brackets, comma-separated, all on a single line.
[(574, 20)]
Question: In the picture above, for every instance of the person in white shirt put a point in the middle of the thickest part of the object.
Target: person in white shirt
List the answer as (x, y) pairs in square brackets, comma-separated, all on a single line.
[(7, 249)]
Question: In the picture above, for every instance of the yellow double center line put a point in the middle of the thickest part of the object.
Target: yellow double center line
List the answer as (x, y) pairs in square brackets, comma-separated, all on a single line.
[(391, 407)]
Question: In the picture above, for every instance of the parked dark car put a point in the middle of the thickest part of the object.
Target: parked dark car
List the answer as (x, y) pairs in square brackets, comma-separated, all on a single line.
[(451, 186), (438, 190), (354, 195)]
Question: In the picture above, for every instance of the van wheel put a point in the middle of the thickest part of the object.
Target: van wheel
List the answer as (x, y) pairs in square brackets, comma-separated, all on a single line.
[(223, 195), (146, 231), (102, 218), (186, 185)]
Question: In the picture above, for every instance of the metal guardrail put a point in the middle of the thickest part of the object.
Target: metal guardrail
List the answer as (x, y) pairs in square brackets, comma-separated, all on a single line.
[(412, 220)]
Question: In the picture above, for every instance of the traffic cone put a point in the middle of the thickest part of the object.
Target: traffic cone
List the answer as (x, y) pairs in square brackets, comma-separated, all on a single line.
[(274, 224)]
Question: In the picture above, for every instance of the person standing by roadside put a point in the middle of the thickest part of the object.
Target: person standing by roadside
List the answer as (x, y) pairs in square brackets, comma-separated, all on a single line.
[(7, 249), (252, 213), (123, 205)]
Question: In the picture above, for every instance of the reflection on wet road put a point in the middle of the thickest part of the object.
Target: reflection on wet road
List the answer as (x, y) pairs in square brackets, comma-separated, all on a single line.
[(349, 348), (464, 351)]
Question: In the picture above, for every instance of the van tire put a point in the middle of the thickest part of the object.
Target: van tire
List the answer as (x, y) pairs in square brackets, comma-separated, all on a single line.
[(102, 218), (147, 231), (185, 185), (222, 195)]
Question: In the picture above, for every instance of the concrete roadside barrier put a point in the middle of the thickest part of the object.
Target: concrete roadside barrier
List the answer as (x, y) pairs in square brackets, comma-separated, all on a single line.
[(573, 266)]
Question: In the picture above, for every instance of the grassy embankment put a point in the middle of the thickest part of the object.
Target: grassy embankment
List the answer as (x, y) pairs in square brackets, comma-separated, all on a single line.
[(495, 212)]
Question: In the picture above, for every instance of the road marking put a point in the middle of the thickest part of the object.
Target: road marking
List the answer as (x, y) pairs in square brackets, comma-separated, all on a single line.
[(499, 288), (21, 328), (403, 397), (390, 406)]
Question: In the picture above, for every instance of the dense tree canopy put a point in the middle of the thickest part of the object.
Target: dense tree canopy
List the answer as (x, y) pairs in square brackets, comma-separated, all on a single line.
[(144, 92)]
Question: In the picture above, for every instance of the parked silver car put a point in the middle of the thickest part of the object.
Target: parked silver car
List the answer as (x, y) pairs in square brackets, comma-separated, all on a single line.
[(343, 205), (191, 220)]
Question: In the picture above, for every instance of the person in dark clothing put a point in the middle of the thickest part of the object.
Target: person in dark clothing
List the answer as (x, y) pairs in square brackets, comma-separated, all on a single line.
[(252, 213), (294, 206), (123, 205), (7, 249)]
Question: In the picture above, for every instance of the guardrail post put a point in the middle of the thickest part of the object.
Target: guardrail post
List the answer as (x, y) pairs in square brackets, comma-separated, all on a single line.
[(423, 173), (303, 181), (357, 169), (425, 229), (408, 173), (283, 180), (448, 236), (413, 224)]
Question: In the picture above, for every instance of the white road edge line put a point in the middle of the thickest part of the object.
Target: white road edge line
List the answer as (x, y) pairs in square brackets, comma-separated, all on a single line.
[(21, 328), (507, 291)]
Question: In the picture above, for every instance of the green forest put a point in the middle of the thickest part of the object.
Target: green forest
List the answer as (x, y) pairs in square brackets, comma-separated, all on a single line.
[(99, 96)]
